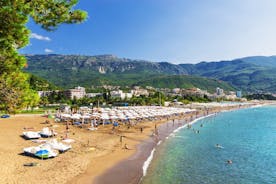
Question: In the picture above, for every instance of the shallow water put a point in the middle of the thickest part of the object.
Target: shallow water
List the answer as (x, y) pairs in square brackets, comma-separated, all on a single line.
[(248, 138)]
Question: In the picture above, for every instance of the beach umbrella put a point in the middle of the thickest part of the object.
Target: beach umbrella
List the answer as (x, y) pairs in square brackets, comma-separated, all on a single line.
[(76, 116), (114, 117), (83, 117), (42, 153), (65, 115)]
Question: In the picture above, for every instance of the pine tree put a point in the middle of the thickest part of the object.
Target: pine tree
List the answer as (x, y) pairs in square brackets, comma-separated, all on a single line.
[(15, 92)]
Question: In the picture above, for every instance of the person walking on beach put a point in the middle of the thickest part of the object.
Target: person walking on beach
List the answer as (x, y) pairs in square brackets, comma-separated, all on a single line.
[(121, 139), (52, 132), (141, 129), (113, 129)]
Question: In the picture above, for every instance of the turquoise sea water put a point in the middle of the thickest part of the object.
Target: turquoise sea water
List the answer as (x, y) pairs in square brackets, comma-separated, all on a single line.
[(248, 137)]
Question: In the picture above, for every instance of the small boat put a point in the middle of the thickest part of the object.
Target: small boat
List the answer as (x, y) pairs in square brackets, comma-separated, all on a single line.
[(46, 132), (31, 135)]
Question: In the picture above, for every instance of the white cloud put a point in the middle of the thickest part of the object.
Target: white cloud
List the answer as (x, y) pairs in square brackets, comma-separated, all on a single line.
[(48, 50), (40, 37)]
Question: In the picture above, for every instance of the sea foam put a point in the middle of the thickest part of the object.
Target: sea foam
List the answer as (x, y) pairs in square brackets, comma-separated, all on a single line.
[(147, 162)]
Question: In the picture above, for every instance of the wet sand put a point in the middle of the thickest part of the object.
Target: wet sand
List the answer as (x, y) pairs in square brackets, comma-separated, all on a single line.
[(130, 168)]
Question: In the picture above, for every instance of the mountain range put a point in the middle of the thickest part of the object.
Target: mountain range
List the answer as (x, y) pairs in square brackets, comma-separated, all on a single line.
[(250, 74)]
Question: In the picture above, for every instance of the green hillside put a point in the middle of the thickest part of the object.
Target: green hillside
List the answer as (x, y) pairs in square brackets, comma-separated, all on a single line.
[(69, 71), (248, 74), (185, 81), (40, 84), (261, 60), (245, 75)]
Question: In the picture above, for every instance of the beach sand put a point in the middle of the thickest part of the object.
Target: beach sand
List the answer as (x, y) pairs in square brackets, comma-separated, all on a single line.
[(96, 150), (96, 156)]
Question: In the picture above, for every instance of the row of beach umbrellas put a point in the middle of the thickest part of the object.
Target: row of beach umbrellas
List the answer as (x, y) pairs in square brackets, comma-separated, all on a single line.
[(127, 113)]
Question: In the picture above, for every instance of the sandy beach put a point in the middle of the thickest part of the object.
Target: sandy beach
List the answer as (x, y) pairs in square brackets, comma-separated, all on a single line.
[(96, 150), (96, 156)]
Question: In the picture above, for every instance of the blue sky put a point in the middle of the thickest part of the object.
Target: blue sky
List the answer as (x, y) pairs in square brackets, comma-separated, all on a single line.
[(177, 31)]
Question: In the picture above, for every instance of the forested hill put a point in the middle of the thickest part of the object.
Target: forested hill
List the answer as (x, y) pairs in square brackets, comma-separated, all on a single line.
[(250, 74), (185, 81), (71, 70)]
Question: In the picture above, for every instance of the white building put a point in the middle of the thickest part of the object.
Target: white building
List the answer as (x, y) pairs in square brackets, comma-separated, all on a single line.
[(120, 94), (219, 91), (46, 93), (77, 92), (139, 92), (91, 95), (176, 90)]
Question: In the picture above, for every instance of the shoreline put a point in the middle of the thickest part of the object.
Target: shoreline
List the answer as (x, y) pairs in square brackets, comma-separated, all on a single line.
[(136, 163), (141, 160), (133, 164)]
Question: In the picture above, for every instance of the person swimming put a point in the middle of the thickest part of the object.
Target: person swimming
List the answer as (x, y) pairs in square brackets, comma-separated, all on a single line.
[(219, 146), (229, 162), (196, 131)]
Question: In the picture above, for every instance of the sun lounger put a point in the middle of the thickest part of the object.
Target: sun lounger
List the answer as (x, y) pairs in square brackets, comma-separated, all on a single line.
[(46, 132), (68, 140), (92, 128), (31, 135), (54, 144)]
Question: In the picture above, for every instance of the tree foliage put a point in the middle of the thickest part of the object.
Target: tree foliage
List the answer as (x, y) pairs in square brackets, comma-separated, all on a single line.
[(14, 14)]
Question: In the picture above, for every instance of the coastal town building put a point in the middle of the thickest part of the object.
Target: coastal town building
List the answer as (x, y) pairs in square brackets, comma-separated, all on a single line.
[(230, 97), (219, 91), (195, 92), (176, 90), (232, 93), (120, 94), (77, 92), (46, 93), (150, 88), (92, 95), (239, 94), (139, 92)]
